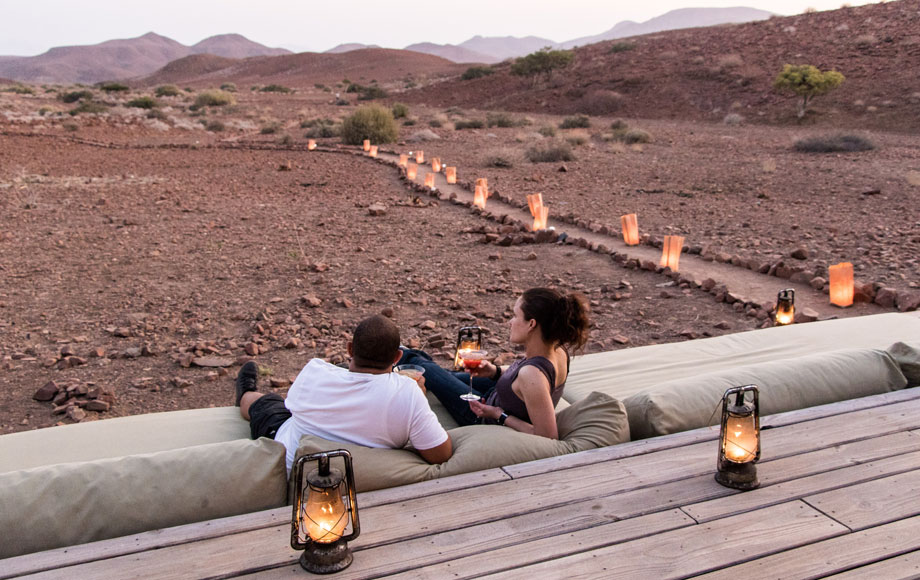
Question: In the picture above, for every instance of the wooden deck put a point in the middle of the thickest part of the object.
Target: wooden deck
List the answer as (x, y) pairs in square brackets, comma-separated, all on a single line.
[(839, 496)]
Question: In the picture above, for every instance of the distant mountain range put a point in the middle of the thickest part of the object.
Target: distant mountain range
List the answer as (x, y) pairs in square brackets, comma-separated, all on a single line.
[(136, 57), (121, 59)]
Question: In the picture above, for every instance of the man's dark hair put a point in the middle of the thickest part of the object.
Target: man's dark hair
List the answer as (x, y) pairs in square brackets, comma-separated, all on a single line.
[(375, 342)]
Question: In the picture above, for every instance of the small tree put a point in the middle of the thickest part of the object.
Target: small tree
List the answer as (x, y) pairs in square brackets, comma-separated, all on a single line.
[(542, 63), (371, 122), (806, 81)]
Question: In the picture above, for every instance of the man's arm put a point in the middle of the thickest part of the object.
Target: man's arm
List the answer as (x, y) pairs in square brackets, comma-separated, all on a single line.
[(438, 454)]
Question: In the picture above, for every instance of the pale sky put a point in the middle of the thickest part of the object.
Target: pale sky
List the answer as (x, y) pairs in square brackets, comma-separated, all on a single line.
[(30, 27)]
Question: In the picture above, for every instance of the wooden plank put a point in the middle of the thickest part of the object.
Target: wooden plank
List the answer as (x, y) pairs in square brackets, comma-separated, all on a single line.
[(872, 503), (688, 551), (513, 540), (705, 434), (898, 568), (803, 475), (831, 556)]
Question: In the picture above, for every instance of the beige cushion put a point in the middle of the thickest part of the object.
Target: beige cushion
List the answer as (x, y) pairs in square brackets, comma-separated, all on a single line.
[(908, 358), (73, 503), (785, 385), (120, 436), (595, 421), (625, 372), (448, 422)]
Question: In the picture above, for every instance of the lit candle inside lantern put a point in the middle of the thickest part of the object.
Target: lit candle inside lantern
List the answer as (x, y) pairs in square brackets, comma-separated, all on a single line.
[(367, 145), (311, 144), (539, 220), (741, 439), (841, 281), (429, 180), (630, 227), (670, 252), (372, 151), (479, 197), (411, 170), (436, 164), (484, 183), (785, 307), (324, 515), (403, 160), (451, 174), (420, 156)]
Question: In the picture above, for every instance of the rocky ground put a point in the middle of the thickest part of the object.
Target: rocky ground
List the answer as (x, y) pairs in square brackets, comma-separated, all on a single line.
[(137, 277)]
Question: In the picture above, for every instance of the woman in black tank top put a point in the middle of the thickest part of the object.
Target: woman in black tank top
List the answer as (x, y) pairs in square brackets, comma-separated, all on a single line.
[(549, 325)]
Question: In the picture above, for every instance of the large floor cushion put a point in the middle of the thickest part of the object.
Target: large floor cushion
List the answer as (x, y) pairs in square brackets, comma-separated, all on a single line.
[(73, 503), (595, 421), (785, 385), (622, 373)]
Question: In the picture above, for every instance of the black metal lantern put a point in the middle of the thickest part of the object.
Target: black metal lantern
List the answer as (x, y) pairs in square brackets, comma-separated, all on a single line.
[(785, 307), (739, 440), (325, 506), (469, 338)]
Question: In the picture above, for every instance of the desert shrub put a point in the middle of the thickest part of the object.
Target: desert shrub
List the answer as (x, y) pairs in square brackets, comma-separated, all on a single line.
[(476, 72), (550, 152), (44, 111), (285, 140), (157, 114), (320, 86), (167, 91), (320, 129), (400, 110), (276, 89), (369, 122), (214, 126), (270, 128), (214, 99), (619, 125), (729, 61), (621, 47), (733, 119), (501, 159), (341, 103), (18, 89), (468, 124), (806, 81), (542, 63), (372, 92), (577, 138), (435, 123), (112, 87), (547, 131), (409, 123), (866, 41), (229, 87), (90, 107), (144, 102), (636, 136), (74, 96), (834, 144), (601, 102), (575, 122)]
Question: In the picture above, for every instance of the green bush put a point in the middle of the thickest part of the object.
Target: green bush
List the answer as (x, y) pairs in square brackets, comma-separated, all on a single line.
[(214, 99), (621, 47), (400, 110), (550, 152), (167, 91), (369, 122), (547, 131), (576, 122), (806, 81), (276, 89), (112, 87), (89, 107), (468, 124), (834, 144), (619, 125), (229, 87), (157, 114), (503, 120), (636, 136), (409, 123), (542, 63), (144, 102), (475, 72), (502, 159), (320, 128), (74, 96), (372, 92), (18, 89)]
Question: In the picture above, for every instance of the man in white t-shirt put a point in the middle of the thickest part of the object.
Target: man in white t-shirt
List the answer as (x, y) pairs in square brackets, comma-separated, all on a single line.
[(366, 403)]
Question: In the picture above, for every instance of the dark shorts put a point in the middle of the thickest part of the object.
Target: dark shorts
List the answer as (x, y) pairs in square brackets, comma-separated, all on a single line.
[(266, 415)]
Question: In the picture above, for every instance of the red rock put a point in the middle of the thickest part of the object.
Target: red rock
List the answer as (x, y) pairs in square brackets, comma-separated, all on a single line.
[(311, 300), (75, 414), (428, 325), (377, 209), (620, 339), (212, 361), (908, 301), (799, 253), (292, 342), (46, 392), (98, 406), (252, 349), (886, 297)]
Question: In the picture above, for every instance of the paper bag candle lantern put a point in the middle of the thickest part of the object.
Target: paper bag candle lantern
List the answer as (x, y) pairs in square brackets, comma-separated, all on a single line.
[(436, 164), (372, 151), (419, 156), (311, 144), (670, 252), (429, 180), (367, 145), (451, 174), (411, 170), (484, 183), (479, 197), (539, 212), (403, 160), (630, 227), (841, 276)]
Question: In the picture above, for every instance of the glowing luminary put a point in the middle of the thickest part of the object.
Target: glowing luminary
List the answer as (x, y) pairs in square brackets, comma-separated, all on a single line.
[(429, 180), (367, 145), (841, 282), (535, 202), (630, 227), (436, 164), (479, 197), (451, 174), (539, 220), (670, 252), (311, 144), (419, 156), (411, 170), (403, 160), (372, 151), (484, 183)]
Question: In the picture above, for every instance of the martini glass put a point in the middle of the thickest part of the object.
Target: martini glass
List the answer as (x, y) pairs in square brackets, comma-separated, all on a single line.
[(472, 359)]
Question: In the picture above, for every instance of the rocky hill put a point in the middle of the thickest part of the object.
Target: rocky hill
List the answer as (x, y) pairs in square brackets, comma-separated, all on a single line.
[(708, 73)]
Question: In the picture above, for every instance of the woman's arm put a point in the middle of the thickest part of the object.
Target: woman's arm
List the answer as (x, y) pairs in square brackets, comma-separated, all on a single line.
[(534, 388)]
